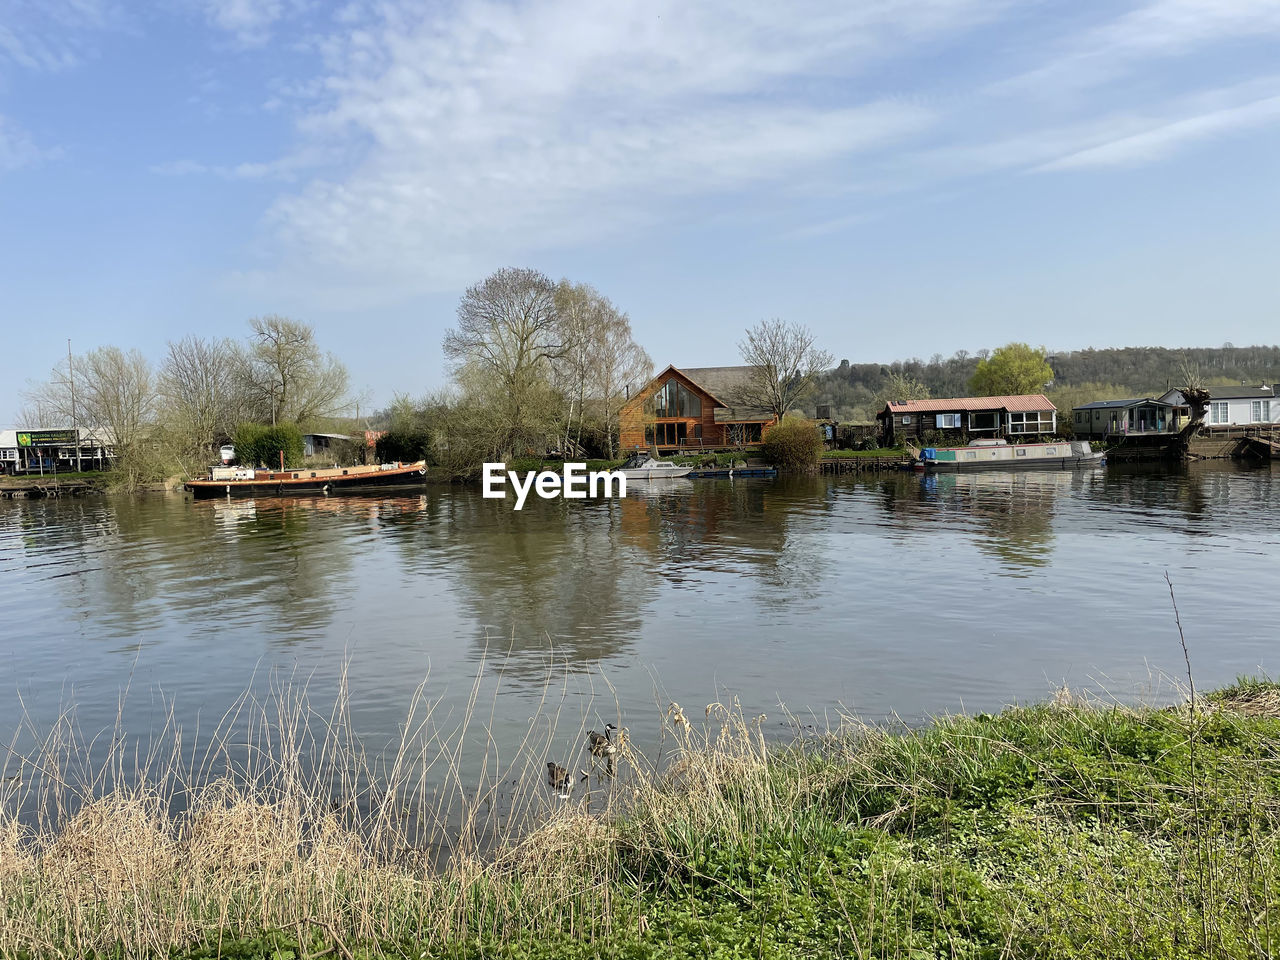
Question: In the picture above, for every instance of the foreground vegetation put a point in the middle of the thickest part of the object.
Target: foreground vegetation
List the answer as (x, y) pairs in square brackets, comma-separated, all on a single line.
[(1069, 829)]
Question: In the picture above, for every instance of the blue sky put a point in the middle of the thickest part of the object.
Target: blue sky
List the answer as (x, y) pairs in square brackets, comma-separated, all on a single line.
[(903, 177)]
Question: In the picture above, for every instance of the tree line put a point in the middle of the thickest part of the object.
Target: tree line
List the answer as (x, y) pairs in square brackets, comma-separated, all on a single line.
[(856, 392), (170, 417)]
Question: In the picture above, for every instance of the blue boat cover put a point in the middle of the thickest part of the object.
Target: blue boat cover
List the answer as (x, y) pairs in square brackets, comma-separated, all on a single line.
[(929, 453)]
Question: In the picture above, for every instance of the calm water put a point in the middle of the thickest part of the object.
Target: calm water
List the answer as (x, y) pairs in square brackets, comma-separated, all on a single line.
[(898, 594)]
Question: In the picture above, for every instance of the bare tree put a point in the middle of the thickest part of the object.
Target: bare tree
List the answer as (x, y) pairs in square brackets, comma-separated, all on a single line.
[(786, 365), (114, 393), (284, 367), (508, 336), (619, 366), (601, 360), (200, 390)]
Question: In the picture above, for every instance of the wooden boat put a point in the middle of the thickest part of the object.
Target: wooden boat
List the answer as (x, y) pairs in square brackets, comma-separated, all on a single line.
[(1001, 455), (640, 466), (247, 482)]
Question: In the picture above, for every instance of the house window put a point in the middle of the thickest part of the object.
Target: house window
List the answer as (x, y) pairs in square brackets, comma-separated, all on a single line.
[(1218, 412), (668, 434), (949, 421), (1079, 418), (674, 399), (1260, 411), (906, 421), (1037, 421), (984, 421)]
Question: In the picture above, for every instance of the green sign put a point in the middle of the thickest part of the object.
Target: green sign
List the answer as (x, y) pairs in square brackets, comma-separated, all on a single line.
[(46, 438)]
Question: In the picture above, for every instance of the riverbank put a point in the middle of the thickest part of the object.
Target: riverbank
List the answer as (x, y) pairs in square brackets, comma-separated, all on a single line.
[(53, 485), (1068, 829)]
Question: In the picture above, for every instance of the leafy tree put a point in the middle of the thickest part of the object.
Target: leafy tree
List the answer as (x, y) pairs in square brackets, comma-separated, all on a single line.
[(786, 365), (259, 445), (408, 434), (1013, 369)]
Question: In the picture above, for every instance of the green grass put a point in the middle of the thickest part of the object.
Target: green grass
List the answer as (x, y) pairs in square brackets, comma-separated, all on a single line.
[(1055, 831)]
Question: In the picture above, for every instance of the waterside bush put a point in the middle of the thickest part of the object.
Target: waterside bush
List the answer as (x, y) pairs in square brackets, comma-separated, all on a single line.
[(793, 443), (260, 445), (1064, 830)]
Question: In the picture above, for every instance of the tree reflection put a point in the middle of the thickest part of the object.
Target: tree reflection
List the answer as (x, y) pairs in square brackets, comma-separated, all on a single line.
[(585, 576)]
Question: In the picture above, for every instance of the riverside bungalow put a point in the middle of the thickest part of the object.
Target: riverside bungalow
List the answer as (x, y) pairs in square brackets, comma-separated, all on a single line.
[(1121, 418), (1236, 406), (1023, 416), (691, 407)]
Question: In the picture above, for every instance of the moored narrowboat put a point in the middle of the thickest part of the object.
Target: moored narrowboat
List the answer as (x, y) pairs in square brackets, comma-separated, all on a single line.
[(1001, 455), (248, 482)]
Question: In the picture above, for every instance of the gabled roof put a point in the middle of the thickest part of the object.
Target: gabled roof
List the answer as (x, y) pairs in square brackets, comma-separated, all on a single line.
[(1228, 393), (1023, 403), (1112, 404), (720, 384)]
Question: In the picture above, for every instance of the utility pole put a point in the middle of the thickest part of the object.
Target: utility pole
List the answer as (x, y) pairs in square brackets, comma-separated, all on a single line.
[(75, 426)]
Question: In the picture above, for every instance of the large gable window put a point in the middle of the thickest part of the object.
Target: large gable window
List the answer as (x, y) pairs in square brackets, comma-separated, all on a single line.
[(674, 399)]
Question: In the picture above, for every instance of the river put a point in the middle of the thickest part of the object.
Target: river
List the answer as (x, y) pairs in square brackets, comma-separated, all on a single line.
[(893, 595)]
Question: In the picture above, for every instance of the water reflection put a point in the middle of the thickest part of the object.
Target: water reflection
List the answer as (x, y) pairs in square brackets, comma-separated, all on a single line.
[(876, 591)]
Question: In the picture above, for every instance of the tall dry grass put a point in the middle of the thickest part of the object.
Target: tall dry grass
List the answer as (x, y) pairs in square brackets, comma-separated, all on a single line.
[(289, 824), (282, 820)]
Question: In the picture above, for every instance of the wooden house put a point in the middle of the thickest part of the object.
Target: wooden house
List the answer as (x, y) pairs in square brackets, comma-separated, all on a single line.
[(691, 408), (965, 418)]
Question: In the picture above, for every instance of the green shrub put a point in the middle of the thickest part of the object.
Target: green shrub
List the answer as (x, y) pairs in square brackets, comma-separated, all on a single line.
[(259, 445), (405, 444), (793, 443)]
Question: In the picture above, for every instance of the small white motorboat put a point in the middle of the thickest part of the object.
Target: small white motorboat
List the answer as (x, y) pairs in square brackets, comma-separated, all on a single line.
[(641, 466)]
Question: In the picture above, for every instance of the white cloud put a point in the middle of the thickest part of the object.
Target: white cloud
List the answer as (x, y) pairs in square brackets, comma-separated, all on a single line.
[(250, 22), (1157, 142), (496, 131), (441, 140), (1158, 30), (16, 148), (48, 35)]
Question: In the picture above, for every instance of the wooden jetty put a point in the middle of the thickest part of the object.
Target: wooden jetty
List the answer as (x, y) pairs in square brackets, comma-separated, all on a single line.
[(1258, 443)]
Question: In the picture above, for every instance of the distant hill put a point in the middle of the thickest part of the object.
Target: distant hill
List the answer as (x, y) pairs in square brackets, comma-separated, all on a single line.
[(856, 391)]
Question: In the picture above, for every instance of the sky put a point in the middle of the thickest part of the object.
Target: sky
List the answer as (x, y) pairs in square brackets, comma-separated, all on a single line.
[(904, 177)]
